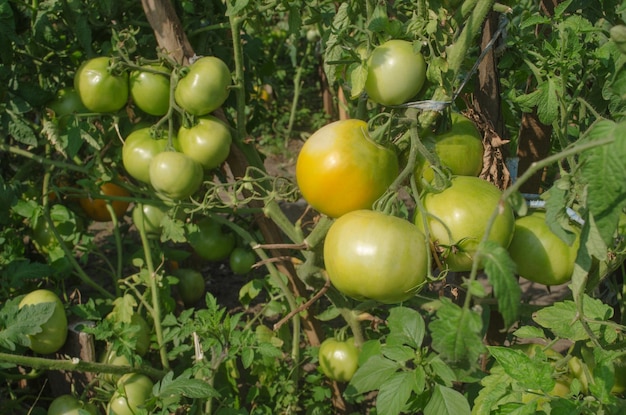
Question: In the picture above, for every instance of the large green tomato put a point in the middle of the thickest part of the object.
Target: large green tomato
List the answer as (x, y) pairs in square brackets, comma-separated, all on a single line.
[(133, 390), (210, 242), (205, 87), (460, 149), (150, 90), (458, 216), (137, 153), (70, 405), (370, 255), (98, 88), (191, 285), (339, 360), (175, 175), (540, 255), (341, 169), (54, 331), (207, 142), (395, 73)]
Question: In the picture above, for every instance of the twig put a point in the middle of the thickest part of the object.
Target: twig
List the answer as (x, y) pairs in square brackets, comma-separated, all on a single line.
[(304, 306)]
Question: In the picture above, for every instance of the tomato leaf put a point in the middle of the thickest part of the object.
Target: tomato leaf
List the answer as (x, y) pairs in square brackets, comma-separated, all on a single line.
[(181, 386), (358, 76), (457, 334), (334, 48), (495, 386), (545, 99), (446, 401), (16, 324), (394, 393), (529, 332), (500, 270), (372, 374), (406, 327), (530, 373)]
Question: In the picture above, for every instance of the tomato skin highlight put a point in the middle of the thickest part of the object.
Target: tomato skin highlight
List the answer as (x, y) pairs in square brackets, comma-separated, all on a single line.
[(464, 209), (175, 175), (340, 169), (207, 142), (395, 73), (54, 331), (338, 360), (99, 90), (205, 87), (540, 255), (96, 208), (150, 91), (370, 255)]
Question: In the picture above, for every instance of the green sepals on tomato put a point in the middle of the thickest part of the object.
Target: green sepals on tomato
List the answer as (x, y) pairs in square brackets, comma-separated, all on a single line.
[(207, 141), (241, 260), (205, 86), (459, 149), (191, 285), (151, 90), (139, 149), (210, 241), (54, 331), (540, 255), (458, 217), (339, 360), (100, 89), (175, 175), (395, 73), (370, 255), (133, 391), (340, 168)]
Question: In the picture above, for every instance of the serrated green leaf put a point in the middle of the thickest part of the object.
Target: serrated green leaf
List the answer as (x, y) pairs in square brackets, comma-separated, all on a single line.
[(500, 270), (406, 325), (394, 393), (561, 7), (235, 7), (398, 352), (184, 386), (447, 401), (18, 324), (379, 20), (358, 76), (529, 332), (333, 50), (373, 373), (530, 373), (495, 387), (534, 20)]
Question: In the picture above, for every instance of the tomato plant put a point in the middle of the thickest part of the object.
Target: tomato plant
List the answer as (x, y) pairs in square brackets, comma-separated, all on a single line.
[(96, 208), (101, 90), (66, 223), (207, 142), (149, 90), (149, 217), (395, 72), (460, 149), (175, 175), (191, 285), (133, 390), (209, 241), (54, 331), (457, 219), (241, 260), (370, 255), (70, 405), (340, 168), (540, 255), (138, 150), (205, 86), (339, 359)]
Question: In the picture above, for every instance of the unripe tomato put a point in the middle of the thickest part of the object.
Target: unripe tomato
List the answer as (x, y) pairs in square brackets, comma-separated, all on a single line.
[(460, 149), (210, 242), (142, 335), (207, 142), (175, 175), (112, 358), (395, 73), (458, 217), (340, 169), (98, 88), (540, 255), (67, 225), (133, 390), (96, 208), (370, 255), (191, 286), (149, 218), (205, 87), (54, 331), (66, 102), (241, 260), (138, 150), (70, 405), (339, 360), (151, 91)]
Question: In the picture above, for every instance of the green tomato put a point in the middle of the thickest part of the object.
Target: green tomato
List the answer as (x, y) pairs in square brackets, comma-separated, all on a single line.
[(241, 260), (54, 331), (112, 358), (191, 285), (70, 405), (210, 242), (133, 390), (460, 149), (458, 216), (98, 88), (142, 334), (67, 224), (540, 255), (138, 151), (65, 103), (205, 87), (340, 168), (370, 255), (175, 175), (151, 91), (207, 142), (395, 73), (338, 360), (149, 218)]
